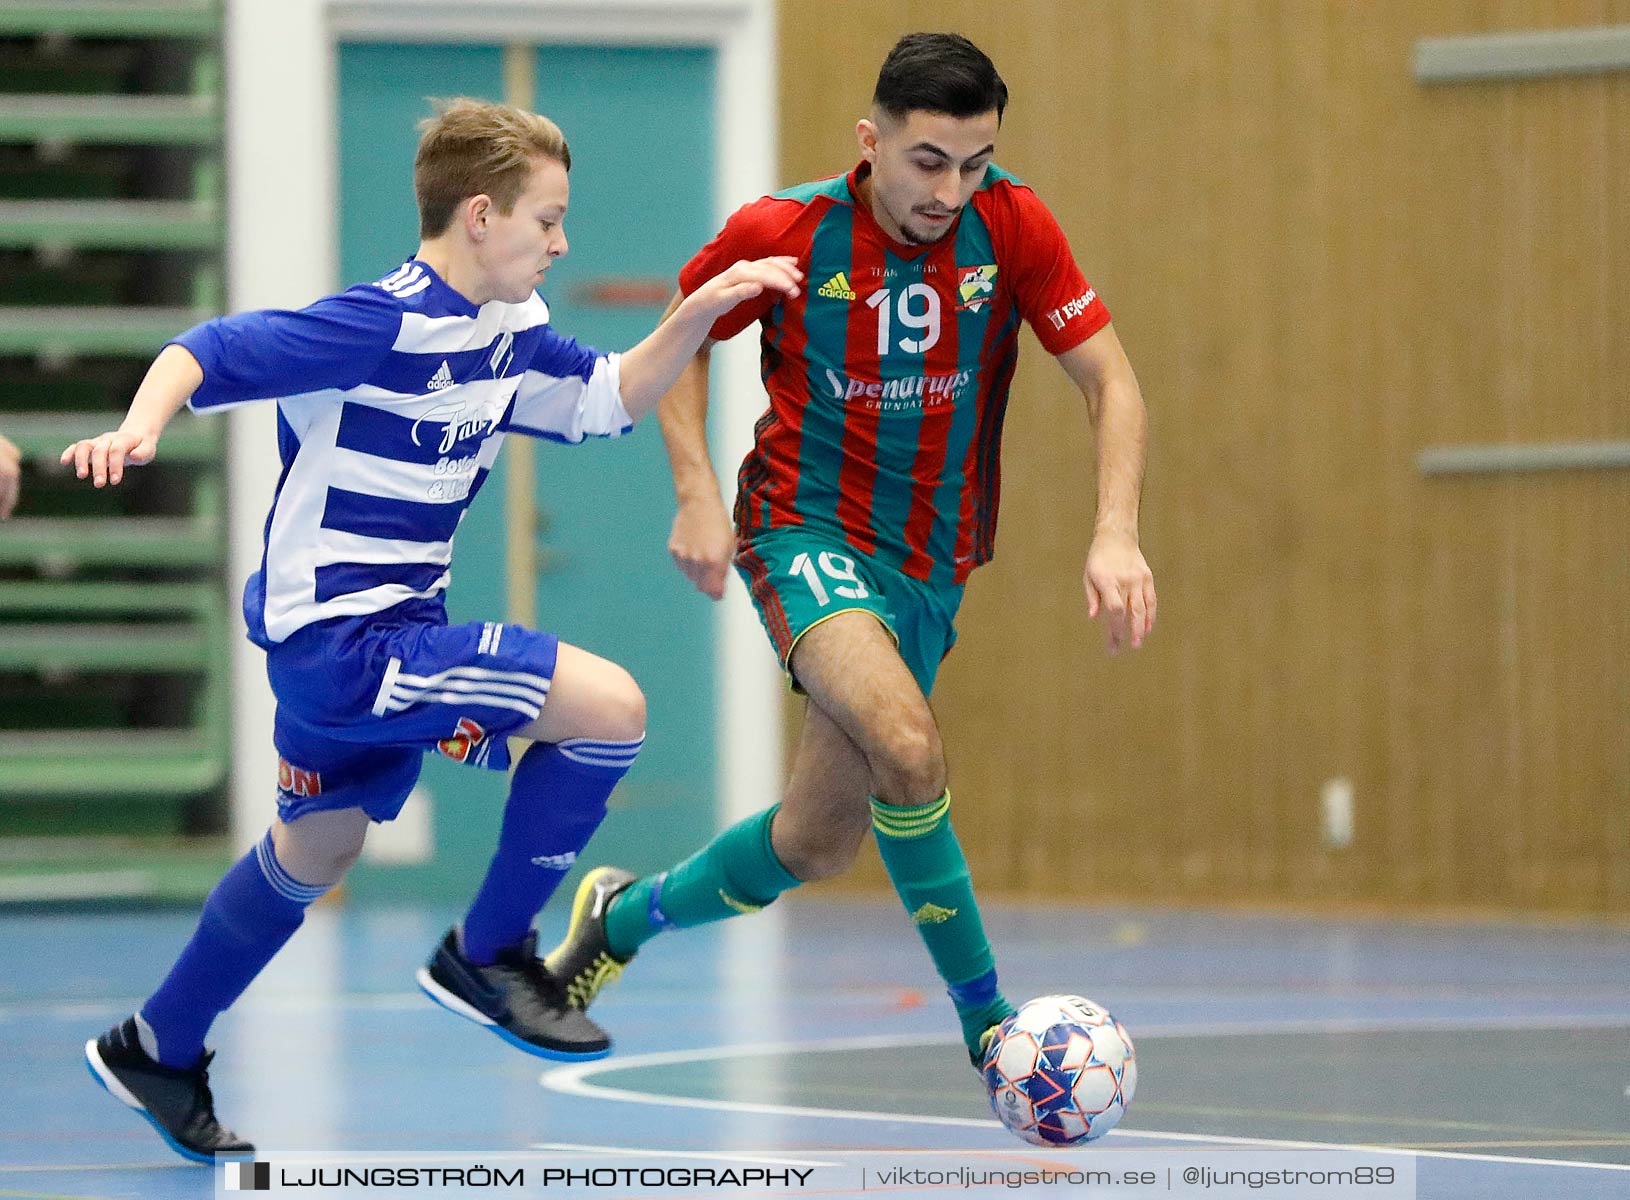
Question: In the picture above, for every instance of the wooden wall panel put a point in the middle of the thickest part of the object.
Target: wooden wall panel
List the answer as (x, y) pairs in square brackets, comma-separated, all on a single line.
[(1320, 268)]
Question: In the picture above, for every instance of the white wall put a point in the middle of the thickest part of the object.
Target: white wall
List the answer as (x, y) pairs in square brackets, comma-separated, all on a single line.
[(280, 254)]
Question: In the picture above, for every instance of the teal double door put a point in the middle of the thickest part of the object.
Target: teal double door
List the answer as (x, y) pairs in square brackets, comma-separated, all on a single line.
[(640, 125)]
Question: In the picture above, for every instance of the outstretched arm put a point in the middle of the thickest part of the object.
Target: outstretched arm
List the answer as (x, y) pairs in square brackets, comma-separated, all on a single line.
[(650, 368), (333, 343), (1117, 580), (172, 379), (702, 538)]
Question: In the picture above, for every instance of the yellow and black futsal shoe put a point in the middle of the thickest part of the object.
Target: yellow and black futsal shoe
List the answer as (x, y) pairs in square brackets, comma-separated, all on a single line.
[(175, 1100), (516, 998), (985, 1039), (583, 962)]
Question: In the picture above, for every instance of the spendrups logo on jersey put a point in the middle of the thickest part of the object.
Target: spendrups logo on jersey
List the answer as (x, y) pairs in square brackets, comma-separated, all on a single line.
[(465, 742), (297, 781), (910, 394), (1063, 315)]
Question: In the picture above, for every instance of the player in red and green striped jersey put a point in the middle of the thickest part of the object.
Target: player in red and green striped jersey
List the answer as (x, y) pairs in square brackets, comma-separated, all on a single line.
[(869, 496)]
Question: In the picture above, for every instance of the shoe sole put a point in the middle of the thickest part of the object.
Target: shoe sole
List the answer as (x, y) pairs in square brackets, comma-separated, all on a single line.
[(103, 1074), (462, 1008)]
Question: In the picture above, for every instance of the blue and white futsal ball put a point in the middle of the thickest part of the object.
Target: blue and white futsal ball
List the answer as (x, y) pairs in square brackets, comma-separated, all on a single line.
[(1061, 1071)]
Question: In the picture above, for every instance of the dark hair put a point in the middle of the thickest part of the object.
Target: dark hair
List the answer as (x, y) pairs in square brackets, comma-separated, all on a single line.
[(939, 72)]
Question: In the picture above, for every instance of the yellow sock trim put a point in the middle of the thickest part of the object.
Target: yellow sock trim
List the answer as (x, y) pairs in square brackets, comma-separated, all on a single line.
[(907, 823), (740, 906)]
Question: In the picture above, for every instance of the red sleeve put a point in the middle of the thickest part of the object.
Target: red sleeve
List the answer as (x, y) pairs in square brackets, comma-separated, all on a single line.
[(766, 226), (1035, 259)]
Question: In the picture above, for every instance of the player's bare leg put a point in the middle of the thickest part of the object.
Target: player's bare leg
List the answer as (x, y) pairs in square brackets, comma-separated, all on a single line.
[(853, 673), (825, 814), (590, 697), (320, 847)]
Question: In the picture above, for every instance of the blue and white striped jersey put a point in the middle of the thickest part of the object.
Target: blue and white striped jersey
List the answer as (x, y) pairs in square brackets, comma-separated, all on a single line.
[(393, 399)]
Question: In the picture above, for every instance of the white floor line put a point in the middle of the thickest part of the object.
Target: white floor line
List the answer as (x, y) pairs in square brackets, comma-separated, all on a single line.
[(407, 1001), (573, 1081)]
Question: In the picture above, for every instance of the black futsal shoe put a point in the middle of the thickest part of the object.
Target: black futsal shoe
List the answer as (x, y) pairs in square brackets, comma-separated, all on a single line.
[(176, 1101), (516, 997)]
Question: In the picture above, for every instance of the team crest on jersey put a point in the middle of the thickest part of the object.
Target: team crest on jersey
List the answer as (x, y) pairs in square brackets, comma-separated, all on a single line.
[(503, 353), (465, 743), (976, 287), (297, 781)]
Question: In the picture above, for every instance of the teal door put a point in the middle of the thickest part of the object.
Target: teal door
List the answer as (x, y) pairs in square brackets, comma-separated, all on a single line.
[(639, 121)]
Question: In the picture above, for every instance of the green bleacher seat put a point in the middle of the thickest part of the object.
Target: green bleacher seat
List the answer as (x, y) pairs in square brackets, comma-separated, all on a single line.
[(52, 628), (103, 597), (108, 764), (114, 616), (73, 331), (112, 18), (126, 120), (60, 546), (108, 224), (59, 647), (43, 436)]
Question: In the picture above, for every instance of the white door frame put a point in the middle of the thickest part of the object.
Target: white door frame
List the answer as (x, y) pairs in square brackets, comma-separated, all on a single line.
[(282, 253)]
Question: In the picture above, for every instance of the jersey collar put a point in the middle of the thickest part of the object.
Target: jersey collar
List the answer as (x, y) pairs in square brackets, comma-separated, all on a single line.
[(453, 302)]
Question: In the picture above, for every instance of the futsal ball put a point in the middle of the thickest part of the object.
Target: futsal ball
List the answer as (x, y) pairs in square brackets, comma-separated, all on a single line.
[(1061, 1071)]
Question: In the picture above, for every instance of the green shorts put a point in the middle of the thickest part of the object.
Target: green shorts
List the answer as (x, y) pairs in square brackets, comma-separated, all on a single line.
[(799, 577)]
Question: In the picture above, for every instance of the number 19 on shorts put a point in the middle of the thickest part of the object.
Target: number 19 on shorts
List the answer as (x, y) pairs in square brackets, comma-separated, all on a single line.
[(839, 569)]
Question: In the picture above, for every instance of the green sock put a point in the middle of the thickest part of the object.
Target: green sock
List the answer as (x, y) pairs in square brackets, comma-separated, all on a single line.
[(925, 863), (737, 872)]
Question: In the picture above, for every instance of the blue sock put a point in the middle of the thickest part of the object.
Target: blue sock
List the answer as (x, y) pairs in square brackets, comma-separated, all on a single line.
[(557, 799), (252, 912)]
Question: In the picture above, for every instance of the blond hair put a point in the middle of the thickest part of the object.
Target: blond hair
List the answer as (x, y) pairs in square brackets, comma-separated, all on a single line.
[(472, 148)]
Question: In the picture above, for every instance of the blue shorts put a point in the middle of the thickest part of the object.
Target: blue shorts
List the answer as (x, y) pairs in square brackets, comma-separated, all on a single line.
[(361, 700)]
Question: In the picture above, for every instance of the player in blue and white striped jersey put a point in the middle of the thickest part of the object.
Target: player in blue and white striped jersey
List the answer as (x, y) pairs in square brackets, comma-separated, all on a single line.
[(393, 399)]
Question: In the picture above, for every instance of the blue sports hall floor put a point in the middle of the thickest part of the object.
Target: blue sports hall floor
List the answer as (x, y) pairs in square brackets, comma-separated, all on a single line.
[(1489, 1060)]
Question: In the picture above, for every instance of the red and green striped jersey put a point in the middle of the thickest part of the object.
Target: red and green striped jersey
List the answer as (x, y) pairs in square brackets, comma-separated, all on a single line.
[(888, 374)]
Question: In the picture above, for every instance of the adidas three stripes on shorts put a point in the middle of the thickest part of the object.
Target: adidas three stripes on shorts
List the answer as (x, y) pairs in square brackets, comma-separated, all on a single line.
[(361, 700)]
